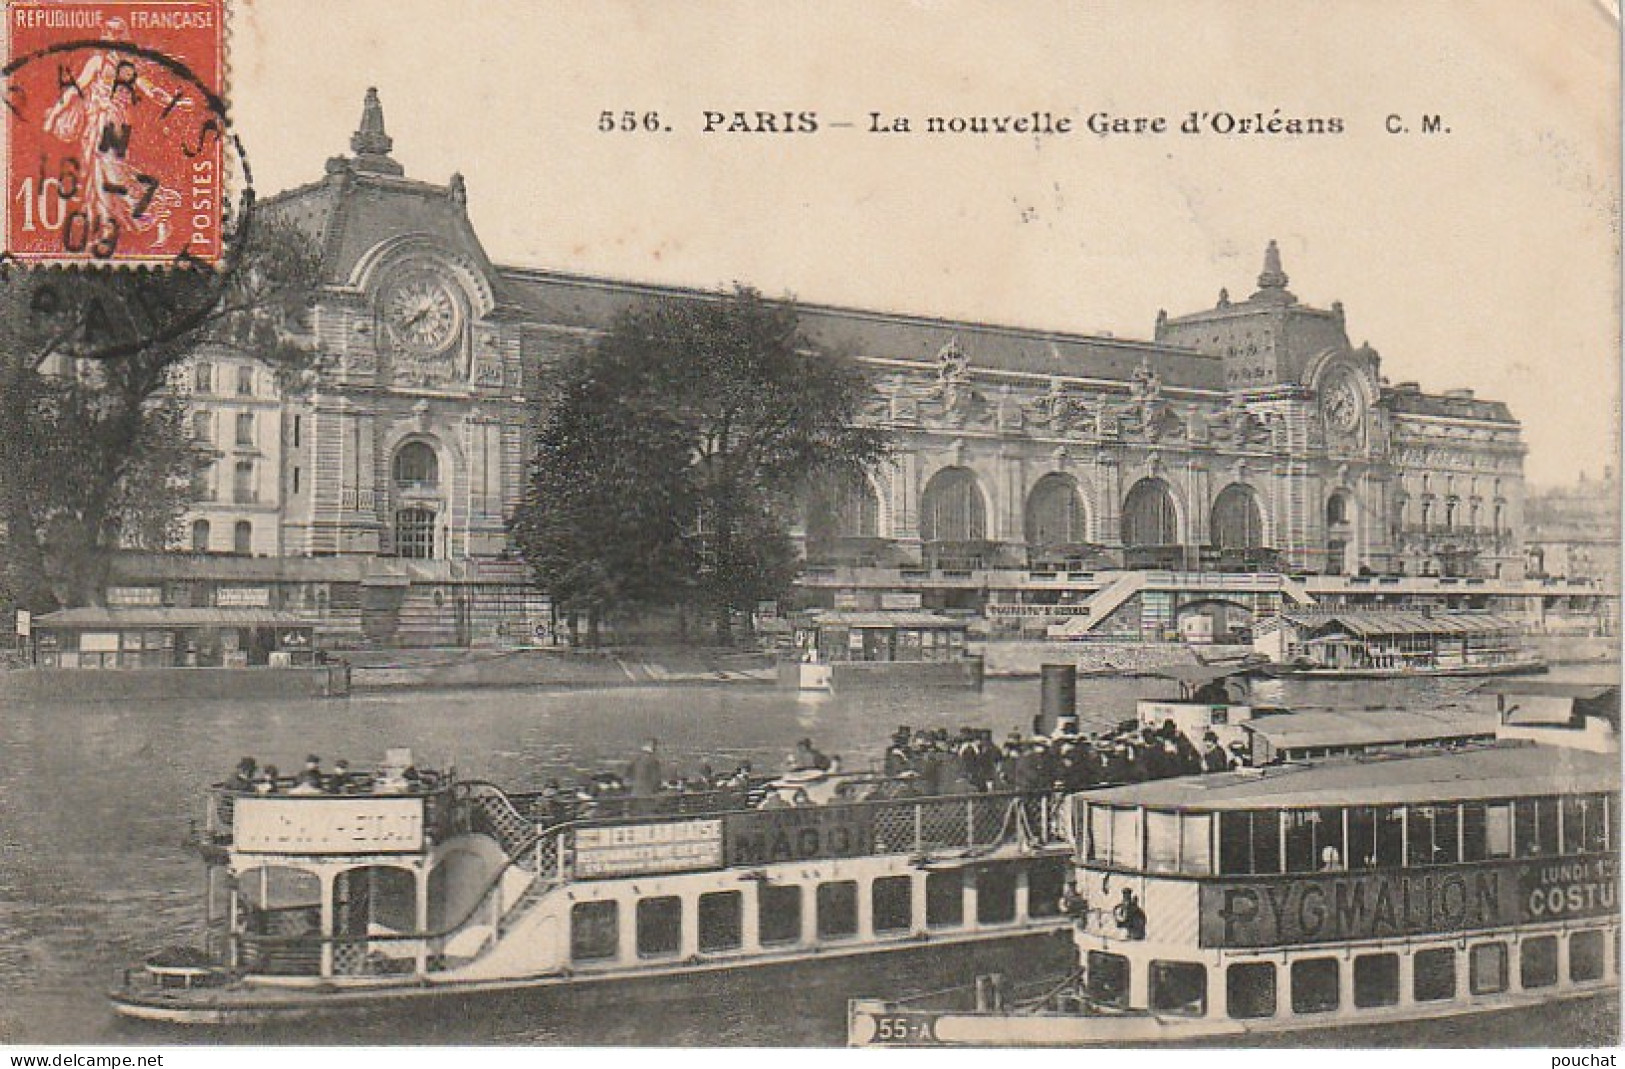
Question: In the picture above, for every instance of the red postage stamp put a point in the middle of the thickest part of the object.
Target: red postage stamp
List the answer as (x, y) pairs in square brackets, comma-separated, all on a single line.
[(115, 131)]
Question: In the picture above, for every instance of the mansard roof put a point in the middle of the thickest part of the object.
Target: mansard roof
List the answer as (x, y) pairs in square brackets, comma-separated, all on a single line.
[(1453, 404), (584, 302)]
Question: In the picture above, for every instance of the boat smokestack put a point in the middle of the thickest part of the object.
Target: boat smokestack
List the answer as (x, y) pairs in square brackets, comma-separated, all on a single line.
[(1058, 699)]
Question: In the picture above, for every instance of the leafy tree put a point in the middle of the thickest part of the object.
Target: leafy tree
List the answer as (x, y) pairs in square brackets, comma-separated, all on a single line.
[(669, 467), (95, 448)]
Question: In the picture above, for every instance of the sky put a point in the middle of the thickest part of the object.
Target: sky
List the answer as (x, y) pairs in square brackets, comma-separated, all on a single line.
[(1484, 257)]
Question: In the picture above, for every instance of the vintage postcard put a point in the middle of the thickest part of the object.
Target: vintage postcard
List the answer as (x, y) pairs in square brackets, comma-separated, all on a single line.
[(912, 523)]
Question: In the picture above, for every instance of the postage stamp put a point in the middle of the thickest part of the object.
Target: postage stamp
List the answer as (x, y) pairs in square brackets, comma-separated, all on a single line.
[(116, 140)]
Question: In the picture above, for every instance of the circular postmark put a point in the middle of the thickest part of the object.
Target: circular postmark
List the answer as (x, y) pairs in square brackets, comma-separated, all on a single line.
[(130, 198)]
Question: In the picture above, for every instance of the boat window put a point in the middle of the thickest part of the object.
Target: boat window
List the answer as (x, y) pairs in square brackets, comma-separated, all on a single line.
[(1315, 985), (1537, 961), (892, 903), (1249, 842), (1390, 836), (1486, 830), (1161, 841), (944, 899), (274, 887), (1432, 835), (1235, 844), (1610, 826), (1196, 844), (1487, 968), (1376, 980), (838, 909), (1586, 952), (995, 894), (1125, 840), (1598, 824), (1585, 824), (1100, 832), (1314, 839), (722, 920), (1046, 883), (1108, 978), (660, 926), (1534, 827), (1362, 843), (1179, 987), (1249, 990), (594, 931), (778, 913), (1435, 978)]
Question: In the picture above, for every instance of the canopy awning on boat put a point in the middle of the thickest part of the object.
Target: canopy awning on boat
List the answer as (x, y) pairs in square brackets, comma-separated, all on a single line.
[(1406, 777), (1349, 728)]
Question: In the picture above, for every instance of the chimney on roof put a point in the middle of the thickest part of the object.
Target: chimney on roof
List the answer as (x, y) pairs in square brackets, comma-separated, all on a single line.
[(370, 142)]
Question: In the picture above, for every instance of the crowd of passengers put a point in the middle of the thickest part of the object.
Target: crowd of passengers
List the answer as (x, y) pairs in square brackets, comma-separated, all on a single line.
[(250, 777), (917, 764), (970, 761)]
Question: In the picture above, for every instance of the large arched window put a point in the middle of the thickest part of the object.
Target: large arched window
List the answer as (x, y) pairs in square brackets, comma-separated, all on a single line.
[(200, 536), (1149, 518), (1238, 521), (843, 506), (1055, 513), (242, 538), (1337, 509), (416, 465), (951, 509), (414, 533)]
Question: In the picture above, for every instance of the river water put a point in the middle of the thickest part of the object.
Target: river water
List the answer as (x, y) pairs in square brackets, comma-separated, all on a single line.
[(96, 799)]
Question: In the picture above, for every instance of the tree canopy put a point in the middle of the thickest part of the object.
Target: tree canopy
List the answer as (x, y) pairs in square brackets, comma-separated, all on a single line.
[(670, 463), (95, 445)]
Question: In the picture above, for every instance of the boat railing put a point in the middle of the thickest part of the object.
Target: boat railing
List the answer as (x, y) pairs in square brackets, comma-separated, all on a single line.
[(920, 826)]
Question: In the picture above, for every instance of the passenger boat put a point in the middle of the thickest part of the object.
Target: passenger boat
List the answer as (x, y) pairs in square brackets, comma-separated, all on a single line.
[(882, 647), (1383, 889), (1345, 644), (378, 898)]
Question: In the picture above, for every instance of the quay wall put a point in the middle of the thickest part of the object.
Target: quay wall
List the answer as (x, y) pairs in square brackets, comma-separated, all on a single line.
[(125, 684), (457, 668), (1021, 659)]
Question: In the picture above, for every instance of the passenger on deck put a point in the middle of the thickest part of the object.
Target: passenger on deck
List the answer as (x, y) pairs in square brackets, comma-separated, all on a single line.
[(265, 782), (342, 781), (644, 772), (1129, 916), (309, 782), (242, 777), (807, 756), (1214, 759)]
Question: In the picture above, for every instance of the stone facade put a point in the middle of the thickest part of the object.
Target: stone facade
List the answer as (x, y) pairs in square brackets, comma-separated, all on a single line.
[(1252, 435)]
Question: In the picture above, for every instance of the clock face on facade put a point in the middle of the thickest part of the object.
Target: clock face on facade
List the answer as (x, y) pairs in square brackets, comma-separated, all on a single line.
[(421, 314), (1342, 402)]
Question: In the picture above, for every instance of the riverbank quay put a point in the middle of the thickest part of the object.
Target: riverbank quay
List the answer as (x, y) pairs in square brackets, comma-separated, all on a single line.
[(449, 668), (1024, 659)]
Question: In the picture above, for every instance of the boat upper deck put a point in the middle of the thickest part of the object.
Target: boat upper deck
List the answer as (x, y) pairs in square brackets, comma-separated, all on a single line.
[(1415, 777)]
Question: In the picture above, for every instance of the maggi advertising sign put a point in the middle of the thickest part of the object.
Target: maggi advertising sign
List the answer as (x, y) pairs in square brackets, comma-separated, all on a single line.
[(1327, 908)]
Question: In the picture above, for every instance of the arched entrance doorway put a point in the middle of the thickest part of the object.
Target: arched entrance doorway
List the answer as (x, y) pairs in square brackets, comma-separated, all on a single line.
[(1339, 533), (1151, 526), (953, 519), (1237, 532)]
